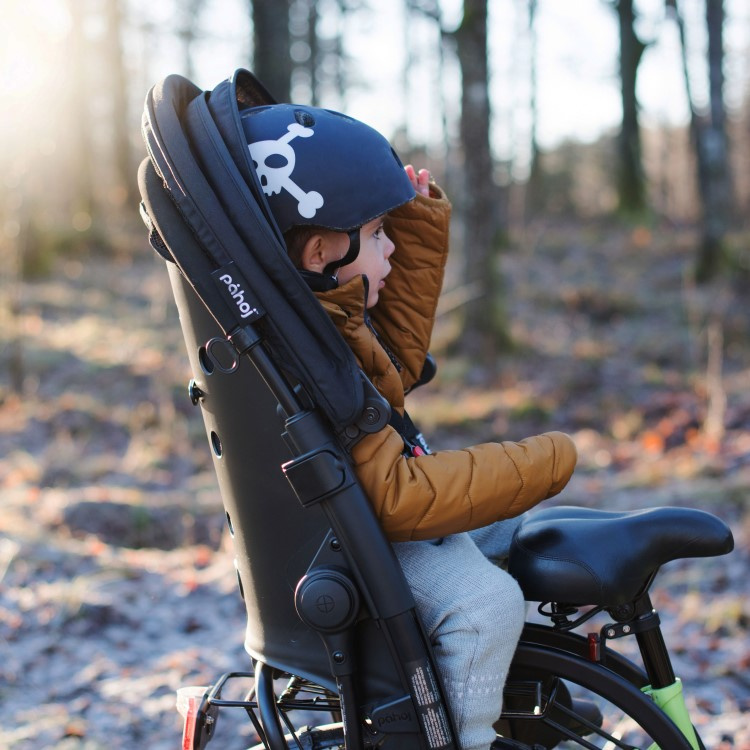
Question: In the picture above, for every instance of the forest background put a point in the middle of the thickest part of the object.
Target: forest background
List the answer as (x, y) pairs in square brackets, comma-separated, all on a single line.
[(597, 156)]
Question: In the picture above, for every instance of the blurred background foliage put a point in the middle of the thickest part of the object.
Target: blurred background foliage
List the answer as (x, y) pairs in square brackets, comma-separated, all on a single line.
[(75, 72), (469, 88)]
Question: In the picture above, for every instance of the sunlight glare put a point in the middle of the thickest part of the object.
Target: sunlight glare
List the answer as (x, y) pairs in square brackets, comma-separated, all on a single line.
[(33, 28), (31, 61)]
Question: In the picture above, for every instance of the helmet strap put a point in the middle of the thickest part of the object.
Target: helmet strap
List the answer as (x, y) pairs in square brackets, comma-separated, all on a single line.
[(332, 269), (324, 282), (319, 282)]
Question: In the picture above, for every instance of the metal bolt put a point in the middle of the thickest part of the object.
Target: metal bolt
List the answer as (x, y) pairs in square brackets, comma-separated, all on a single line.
[(195, 393), (335, 544), (611, 633), (626, 628), (339, 657)]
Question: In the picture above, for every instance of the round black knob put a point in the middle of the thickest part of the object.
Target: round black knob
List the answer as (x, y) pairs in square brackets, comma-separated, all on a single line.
[(327, 600)]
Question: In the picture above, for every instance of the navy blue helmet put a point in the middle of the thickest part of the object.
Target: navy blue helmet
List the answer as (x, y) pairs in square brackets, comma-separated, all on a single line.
[(322, 168)]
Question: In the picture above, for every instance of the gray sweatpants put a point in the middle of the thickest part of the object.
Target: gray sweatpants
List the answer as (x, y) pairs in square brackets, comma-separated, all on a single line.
[(473, 612)]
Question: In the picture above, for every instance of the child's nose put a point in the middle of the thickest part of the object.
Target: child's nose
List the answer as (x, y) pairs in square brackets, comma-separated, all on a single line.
[(389, 247)]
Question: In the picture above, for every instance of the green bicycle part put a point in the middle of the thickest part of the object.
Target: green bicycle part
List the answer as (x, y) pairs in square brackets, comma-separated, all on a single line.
[(672, 701)]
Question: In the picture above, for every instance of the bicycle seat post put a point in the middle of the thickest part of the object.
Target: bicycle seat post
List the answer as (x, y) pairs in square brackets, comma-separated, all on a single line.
[(652, 646)]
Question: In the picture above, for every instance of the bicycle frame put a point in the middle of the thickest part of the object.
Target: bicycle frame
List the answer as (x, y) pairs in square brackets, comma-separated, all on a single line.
[(664, 688), (642, 621)]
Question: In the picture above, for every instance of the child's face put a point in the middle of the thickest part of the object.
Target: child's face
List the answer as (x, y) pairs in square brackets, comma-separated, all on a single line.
[(375, 248), (374, 251)]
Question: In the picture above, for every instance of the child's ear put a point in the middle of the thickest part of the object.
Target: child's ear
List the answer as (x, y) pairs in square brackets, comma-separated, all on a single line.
[(315, 253)]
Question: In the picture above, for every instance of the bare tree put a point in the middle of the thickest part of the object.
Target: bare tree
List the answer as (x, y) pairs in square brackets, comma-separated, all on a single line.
[(321, 61), (118, 90), (272, 60), (716, 189), (536, 178), (710, 141), (313, 43), (631, 183), (83, 189), (484, 325), (432, 11), (187, 32)]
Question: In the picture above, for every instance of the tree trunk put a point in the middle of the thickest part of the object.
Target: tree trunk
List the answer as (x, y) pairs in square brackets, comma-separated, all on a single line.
[(125, 171), (484, 326), (313, 42), (190, 11), (710, 142), (631, 184), (535, 186), (272, 61), (82, 197), (716, 190)]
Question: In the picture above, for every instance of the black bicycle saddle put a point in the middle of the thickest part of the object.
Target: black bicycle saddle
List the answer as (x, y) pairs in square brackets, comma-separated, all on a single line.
[(582, 556)]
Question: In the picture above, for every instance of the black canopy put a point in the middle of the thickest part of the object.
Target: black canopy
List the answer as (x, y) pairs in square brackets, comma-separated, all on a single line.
[(226, 243)]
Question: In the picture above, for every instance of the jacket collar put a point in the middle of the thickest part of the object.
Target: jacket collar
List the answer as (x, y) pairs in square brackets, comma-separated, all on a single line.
[(350, 297)]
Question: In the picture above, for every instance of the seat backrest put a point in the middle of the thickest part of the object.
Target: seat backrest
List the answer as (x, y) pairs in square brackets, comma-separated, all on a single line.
[(274, 537)]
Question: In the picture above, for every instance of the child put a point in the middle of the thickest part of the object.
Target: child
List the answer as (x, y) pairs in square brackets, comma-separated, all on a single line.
[(371, 238)]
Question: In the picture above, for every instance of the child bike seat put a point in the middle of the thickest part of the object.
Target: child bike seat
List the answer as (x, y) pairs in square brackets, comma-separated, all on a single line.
[(283, 400), (582, 556)]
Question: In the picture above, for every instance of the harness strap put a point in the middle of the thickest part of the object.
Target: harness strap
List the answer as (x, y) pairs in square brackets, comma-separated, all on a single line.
[(414, 441)]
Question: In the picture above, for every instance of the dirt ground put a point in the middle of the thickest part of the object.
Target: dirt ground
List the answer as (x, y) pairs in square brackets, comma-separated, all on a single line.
[(116, 586)]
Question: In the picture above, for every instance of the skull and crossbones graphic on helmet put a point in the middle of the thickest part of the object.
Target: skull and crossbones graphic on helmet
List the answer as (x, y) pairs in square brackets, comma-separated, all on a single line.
[(274, 178)]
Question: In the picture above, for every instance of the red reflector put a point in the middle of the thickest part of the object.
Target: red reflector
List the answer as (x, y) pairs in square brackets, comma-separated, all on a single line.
[(594, 647), (188, 727)]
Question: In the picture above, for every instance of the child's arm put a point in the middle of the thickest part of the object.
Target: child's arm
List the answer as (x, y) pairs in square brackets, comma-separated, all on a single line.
[(405, 313), (453, 491)]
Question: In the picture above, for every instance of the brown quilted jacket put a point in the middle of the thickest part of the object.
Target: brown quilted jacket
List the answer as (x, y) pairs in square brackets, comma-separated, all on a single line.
[(428, 496)]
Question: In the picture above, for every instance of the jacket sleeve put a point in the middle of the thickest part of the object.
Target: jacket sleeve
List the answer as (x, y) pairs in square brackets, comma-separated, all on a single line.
[(405, 313), (448, 492)]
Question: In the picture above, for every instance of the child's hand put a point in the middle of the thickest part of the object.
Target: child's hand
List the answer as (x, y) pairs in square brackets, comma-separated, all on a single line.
[(420, 180)]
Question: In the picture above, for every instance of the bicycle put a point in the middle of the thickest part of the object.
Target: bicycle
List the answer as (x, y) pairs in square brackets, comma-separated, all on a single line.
[(327, 604), (641, 706)]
